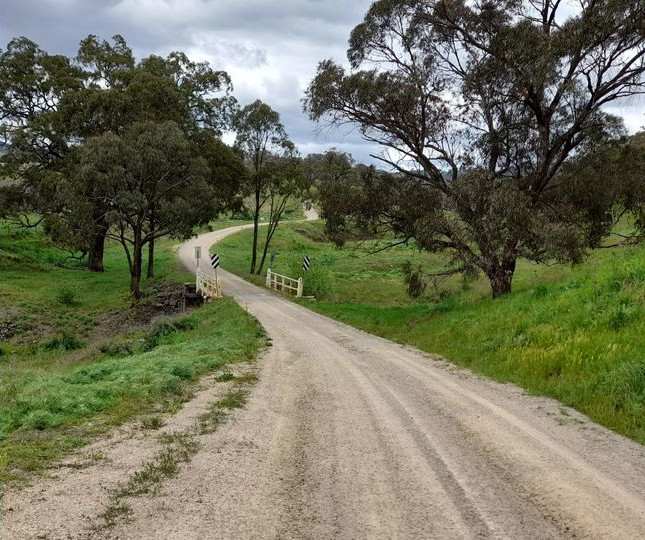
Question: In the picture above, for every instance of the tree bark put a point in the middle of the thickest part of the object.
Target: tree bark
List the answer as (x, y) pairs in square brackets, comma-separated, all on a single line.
[(501, 277), (151, 247), (135, 268), (151, 259), (256, 221), (95, 256), (266, 248)]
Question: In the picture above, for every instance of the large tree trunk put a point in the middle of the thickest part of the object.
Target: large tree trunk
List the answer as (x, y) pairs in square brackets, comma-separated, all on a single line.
[(135, 269), (501, 277), (256, 221), (95, 256), (151, 259)]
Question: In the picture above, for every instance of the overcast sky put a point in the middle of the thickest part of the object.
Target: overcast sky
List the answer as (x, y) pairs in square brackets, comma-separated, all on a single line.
[(269, 47)]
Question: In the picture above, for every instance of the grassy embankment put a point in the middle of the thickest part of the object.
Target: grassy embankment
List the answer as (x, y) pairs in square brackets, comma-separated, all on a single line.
[(76, 366), (576, 334)]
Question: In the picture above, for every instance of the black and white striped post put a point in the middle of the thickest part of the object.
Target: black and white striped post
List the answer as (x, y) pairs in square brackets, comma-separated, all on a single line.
[(215, 265), (306, 264)]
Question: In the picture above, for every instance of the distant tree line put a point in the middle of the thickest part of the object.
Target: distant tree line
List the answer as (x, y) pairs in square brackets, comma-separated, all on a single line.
[(493, 116), (102, 146)]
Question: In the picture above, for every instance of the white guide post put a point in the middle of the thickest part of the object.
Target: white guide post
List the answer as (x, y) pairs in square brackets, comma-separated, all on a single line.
[(300, 287)]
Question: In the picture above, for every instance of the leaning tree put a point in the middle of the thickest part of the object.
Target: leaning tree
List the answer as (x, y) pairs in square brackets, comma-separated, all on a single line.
[(479, 105)]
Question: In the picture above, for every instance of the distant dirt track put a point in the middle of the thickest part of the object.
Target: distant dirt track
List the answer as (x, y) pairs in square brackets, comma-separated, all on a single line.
[(351, 436)]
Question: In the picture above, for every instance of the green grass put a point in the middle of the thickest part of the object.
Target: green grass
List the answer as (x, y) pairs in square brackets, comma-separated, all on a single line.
[(65, 379), (178, 448), (576, 334)]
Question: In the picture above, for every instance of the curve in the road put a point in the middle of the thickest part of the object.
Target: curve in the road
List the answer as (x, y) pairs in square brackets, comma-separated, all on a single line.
[(348, 435)]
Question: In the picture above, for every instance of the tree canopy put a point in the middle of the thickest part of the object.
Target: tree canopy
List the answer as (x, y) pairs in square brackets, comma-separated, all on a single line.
[(51, 106), (478, 106), (92, 139), (262, 139)]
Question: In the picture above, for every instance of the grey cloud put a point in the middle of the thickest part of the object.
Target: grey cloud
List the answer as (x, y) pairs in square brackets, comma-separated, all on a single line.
[(271, 48)]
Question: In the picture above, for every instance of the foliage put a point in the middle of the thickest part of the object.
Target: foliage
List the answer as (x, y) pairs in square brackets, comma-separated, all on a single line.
[(269, 153), (478, 105), (152, 183), (51, 105), (64, 342), (164, 326), (414, 281), (316, 281), (66, 296)]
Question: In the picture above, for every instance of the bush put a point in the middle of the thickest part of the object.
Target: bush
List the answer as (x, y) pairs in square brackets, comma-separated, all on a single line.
[(64, 342), (66, 296), (317, 281)]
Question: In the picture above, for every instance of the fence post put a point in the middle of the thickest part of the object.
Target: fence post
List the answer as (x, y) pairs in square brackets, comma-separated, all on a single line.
[(300, 287), (269, 277)]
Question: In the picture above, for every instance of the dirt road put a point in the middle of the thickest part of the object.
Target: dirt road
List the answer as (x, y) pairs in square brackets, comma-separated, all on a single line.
[(351, 436)]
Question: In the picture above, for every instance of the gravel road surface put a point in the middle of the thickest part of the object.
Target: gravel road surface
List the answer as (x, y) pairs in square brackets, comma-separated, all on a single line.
[(351, 436)]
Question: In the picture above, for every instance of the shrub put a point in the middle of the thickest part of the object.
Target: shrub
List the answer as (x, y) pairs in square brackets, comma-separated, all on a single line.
[(317, 281), (413, 278), (64, 342), (66, 296)]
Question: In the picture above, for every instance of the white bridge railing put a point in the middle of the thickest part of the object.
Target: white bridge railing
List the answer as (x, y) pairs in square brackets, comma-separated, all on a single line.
[(282, 283), (207, 285)]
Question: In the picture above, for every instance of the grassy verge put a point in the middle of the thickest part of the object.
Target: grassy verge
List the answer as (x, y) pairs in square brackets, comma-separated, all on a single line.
[(576, 334), (67, 375), (177, 448)]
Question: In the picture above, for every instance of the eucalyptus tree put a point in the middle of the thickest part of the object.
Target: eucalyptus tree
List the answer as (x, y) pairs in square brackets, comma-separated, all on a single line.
[(479, 105), (286, 183), (33, 83), (150, 167), (50, 105), (261, 137), (327, 169)]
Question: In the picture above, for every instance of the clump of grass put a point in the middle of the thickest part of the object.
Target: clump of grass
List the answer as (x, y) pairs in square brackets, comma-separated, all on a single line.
[(117, 350), (64, 342), (115, 511), (225, 377), (164, 465), (66, 296), (152, 422), (234, 400), (247, 378)]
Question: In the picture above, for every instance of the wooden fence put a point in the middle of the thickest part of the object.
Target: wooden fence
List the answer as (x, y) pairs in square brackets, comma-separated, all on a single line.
[(208, 286), (282, 283)]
